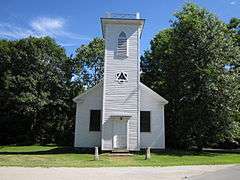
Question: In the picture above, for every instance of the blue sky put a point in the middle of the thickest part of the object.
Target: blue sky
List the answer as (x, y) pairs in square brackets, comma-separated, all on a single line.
[(75, 22)]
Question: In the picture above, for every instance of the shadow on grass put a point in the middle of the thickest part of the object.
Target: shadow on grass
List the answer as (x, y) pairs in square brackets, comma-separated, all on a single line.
[(187, 153), (58, 150), (180, 153), (72, 150)]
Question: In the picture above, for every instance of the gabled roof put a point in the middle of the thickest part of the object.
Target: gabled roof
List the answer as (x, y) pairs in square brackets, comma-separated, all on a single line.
[(154, 94), (81, 97)]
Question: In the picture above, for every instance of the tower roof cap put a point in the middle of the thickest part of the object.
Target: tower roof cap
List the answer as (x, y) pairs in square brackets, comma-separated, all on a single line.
[(116, 18)]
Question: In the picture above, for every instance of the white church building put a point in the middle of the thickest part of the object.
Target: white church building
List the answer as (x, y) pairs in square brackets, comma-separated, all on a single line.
[(120, 113)]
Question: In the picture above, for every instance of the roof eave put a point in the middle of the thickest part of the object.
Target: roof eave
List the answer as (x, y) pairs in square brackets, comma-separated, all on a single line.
[(142, 22)]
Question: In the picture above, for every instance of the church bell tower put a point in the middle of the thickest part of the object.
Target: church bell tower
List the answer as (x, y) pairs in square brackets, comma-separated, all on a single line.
[(121, 99)]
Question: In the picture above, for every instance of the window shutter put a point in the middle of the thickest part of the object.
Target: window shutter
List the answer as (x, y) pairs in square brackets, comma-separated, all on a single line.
[(95, 120), (122, 45), (145, 122)]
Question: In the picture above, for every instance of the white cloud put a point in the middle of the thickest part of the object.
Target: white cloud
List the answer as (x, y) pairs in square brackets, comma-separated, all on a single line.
[(39, 27), (233, 2), (9, 31), (67, 44), (45, 24)]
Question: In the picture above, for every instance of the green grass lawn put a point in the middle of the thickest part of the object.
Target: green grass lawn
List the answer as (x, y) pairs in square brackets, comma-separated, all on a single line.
[(53, 156)]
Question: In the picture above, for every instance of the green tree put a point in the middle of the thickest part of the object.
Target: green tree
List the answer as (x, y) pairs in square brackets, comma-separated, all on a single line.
[(35, 96), (234, 26), (89, 63), (186, 64)]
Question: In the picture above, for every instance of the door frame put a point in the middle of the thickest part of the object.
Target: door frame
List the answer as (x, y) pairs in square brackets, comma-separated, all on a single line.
[(124, 120)]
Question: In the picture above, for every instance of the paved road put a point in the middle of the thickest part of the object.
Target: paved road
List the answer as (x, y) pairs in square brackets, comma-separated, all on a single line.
[(138, 173), (230, 173)]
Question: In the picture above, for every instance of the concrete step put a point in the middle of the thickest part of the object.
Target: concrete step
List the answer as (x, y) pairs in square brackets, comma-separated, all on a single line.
[(120, 151), (120, 154)]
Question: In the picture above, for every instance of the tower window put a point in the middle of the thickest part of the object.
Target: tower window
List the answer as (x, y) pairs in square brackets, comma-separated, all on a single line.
[(122, 45), (121, 77)]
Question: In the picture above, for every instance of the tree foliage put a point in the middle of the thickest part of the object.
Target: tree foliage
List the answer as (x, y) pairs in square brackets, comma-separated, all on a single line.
[(89, 63), (186, 64), (234, 26), (35, 96), (194, 64)]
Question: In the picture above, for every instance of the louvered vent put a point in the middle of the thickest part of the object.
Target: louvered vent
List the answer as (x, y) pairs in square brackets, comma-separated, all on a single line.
[(122, 45)]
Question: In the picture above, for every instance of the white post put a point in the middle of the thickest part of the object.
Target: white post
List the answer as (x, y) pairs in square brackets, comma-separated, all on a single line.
[(108, 14), (137, 15), (96, 155), (148, 153)]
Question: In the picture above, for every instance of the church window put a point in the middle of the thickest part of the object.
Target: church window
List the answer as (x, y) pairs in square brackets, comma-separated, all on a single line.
[(122, 45)]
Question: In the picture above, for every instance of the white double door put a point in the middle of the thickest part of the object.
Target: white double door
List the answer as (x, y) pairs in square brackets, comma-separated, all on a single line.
[(120, 134)]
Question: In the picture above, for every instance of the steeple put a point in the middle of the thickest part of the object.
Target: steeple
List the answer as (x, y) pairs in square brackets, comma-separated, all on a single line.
[(122, 34)]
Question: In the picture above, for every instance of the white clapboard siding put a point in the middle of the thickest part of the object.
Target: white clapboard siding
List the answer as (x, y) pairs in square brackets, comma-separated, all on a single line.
[(85, 102), (152, 102), (124, 99), (121, 97)]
